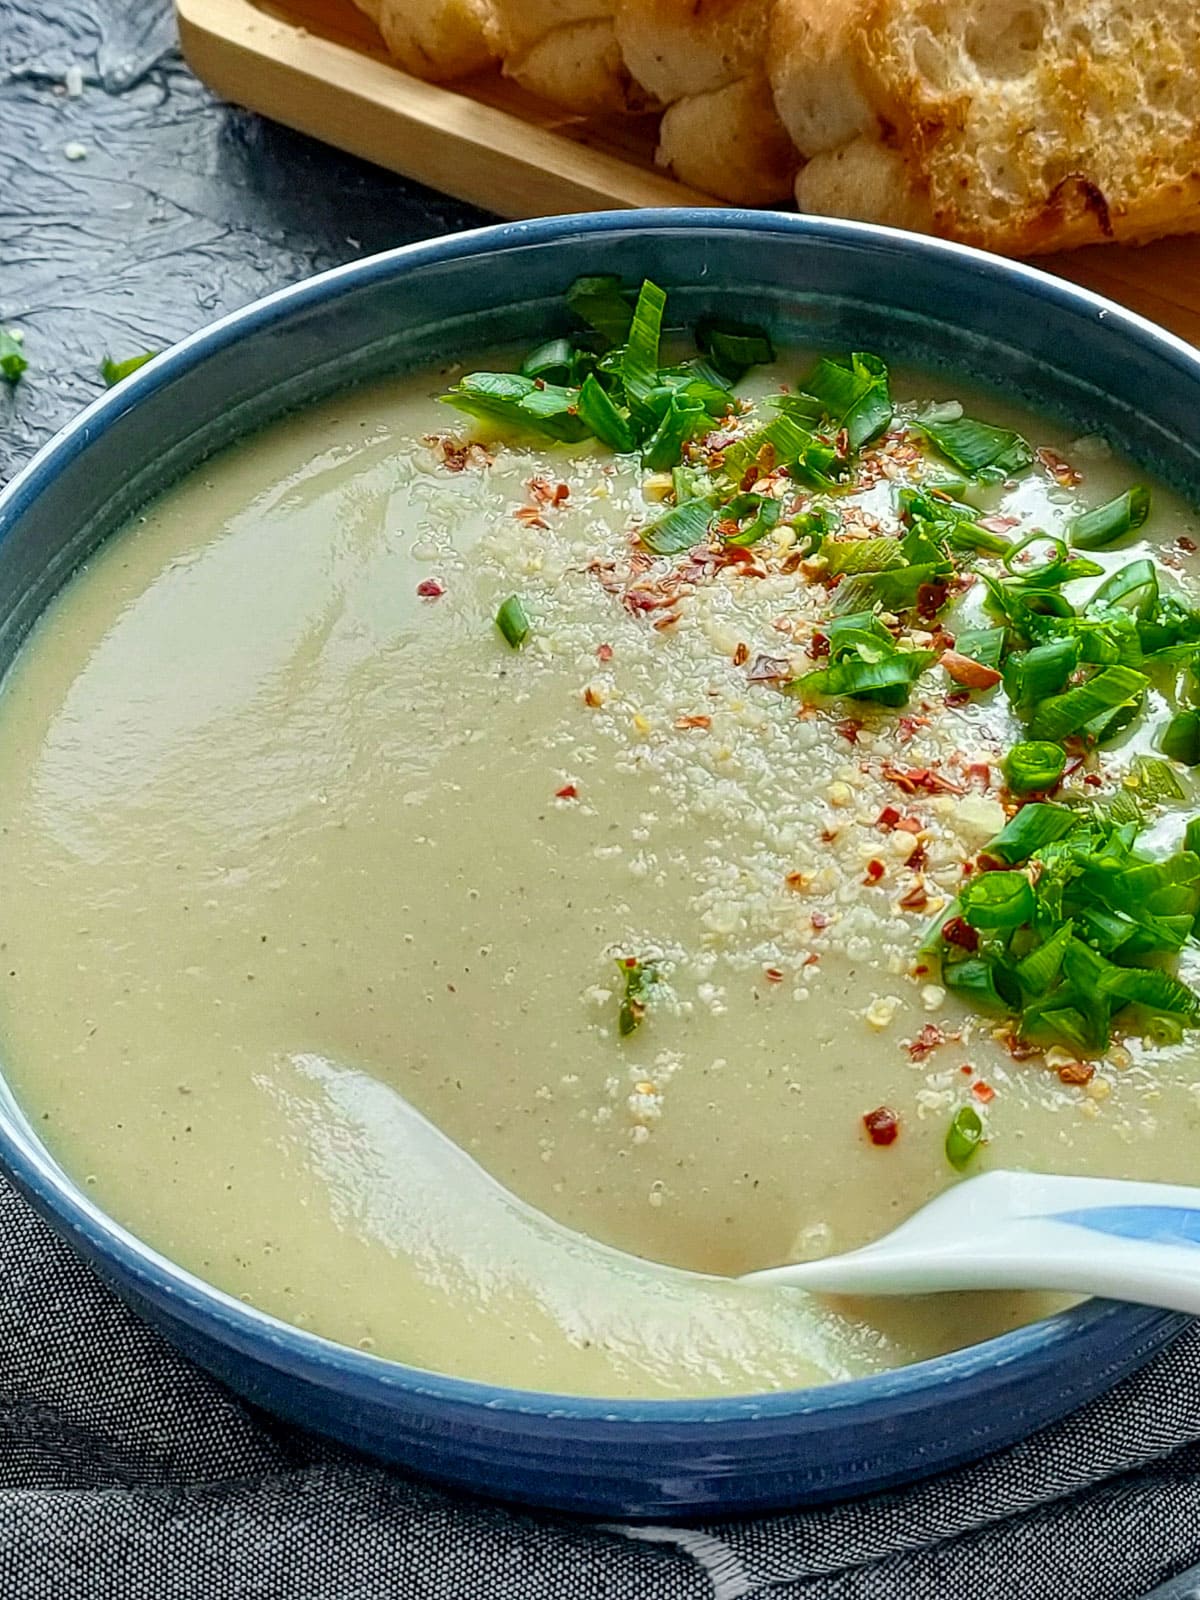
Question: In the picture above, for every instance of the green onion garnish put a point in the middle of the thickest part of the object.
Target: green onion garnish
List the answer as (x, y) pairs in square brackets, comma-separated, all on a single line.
[(639, 977), (12, 357), (963, 1136), (681, 528), (1180, 738), (1032, 765), (512, 622), (601, 303), (1087, 708), (1095, 529), (997, 900), (114, 371), (732, 347), (977, 448)]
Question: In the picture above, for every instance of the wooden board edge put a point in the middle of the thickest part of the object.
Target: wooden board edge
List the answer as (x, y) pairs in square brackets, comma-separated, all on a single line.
[(483, 155)]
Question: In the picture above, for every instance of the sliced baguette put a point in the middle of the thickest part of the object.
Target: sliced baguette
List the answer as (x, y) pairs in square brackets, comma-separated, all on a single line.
[(566, 51), (435, 39), (1018, 125), (704, 61)]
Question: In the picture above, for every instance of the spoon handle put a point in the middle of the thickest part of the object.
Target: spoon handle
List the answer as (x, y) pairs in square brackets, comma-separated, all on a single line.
[(1016, 1230)]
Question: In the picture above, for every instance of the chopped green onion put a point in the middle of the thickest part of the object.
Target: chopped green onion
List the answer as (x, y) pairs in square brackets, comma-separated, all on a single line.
[(681, 528), (601, 303), (1135, 587), (861, 555), (853, 395), (985, 645), (114, 371), (519, 402), (732, 347), (1181, 738), (977, 448), (639, 977), (974, 980), (512, 622), (888, 680), (1034, 826), (1079, 708), (606, 420), (1156, 780), (1032, 765), (639, 362), (997, 900), (12, 357), (964, 1136), (553, 361), (757, 514), (1101, 526)]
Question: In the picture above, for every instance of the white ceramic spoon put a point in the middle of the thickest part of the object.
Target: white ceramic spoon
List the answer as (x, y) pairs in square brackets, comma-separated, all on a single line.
[(1024, 1230)]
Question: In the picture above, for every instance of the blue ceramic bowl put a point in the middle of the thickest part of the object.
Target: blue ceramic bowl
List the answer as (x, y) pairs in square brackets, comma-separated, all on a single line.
[(814, 282)]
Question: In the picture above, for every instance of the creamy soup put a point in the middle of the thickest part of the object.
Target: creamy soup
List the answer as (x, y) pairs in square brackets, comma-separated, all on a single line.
[(323, 907)]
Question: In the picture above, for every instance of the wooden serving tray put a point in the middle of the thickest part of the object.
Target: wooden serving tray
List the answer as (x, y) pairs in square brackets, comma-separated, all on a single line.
[(319, 66)]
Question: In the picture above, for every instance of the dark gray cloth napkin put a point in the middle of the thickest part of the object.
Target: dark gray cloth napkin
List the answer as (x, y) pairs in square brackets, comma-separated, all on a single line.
[(126, 1474)]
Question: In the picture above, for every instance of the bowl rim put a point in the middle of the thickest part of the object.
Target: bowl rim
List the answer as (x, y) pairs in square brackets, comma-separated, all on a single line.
[(294, 1349)]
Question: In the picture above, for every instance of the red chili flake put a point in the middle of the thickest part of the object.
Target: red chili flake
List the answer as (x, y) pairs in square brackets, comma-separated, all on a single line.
[(913, 779), (773, 975), (828, 835), (963, 669), (1186, 543), (693, 722), (908, 824), (875, 870), (918, 859), (591, 698), (769, 669), (1020, 1049), (811, 959), (819, 920), (849, 728), (931, 597), (981, 770), (604, 652), (567, 792), (882, 1125), (547, 493), (1093, 780), (916, 899), (1077, 1072), (531, 517), (967, 1068), (983, 1091), (908, 725), (958, 697), (1059, 467), (926, 1041), (959, 932), (818, 646), (741, 655), (888, 818), (430, 589)]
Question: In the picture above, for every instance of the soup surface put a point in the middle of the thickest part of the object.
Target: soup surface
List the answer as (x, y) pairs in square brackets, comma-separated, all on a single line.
[(318, 902)]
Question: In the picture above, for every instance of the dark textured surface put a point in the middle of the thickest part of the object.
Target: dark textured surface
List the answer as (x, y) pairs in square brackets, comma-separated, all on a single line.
[(181, 209), (124, 1473)]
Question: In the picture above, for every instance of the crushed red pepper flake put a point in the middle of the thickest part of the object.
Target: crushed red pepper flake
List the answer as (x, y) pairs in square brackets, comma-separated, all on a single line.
[(912, 780), (693, 722), (531, 517), (888, 818), (957, 931), (882, 1125), (741, 655), (916, 899), (1077, 1072), (1059, 467), (431, 589), (773, 974), (604, 652), (547, 493), (567, 792), (983, 1092), (875, 870), (1187, 543), (591, 698), (926, 1041), (849, 728)]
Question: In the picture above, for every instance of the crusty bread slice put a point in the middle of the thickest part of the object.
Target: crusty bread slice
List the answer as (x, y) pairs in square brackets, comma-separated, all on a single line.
[(566, 51), (1018, 125), (435, 39), (704, 61)]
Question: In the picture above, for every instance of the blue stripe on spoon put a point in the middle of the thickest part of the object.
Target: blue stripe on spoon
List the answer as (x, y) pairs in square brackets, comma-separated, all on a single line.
[(1153, 1224)]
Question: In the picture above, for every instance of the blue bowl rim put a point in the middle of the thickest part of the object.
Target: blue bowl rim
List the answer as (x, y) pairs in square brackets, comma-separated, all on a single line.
[(294, 1349)]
